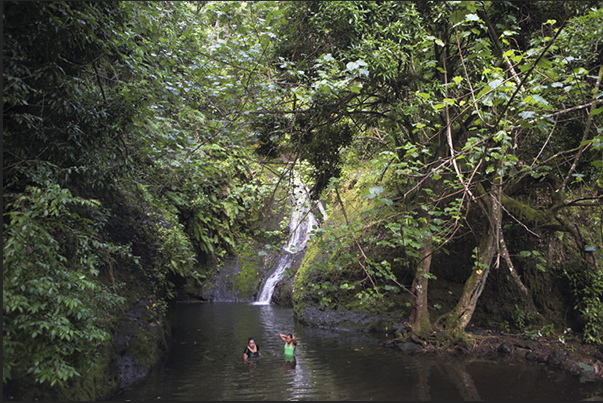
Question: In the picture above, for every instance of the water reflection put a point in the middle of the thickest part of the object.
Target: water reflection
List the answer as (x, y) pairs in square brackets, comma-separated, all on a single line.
[(275, 321), (206, 363)]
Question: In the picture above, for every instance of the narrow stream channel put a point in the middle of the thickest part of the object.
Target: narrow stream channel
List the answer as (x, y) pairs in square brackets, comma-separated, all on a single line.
[(206, 363)]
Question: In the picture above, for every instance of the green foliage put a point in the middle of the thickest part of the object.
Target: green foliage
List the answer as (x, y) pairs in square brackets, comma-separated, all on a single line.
[(522, 322), (587, 288), (56, 122), (61, 138), (158, 111), (131, 105), (536, 259), (456, 97), (56, 311), (521, 318), (332, 279), (339, 275)]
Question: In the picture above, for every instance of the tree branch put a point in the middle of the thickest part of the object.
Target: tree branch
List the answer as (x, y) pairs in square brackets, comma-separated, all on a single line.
[(584, 135), (484, 16), (532, 67)]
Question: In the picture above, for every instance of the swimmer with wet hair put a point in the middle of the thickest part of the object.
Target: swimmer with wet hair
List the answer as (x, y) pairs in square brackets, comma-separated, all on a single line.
[(290, 343), (251, 351)]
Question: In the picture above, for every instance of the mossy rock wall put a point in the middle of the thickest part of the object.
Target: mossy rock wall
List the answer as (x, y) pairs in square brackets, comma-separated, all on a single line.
[(548, 303), (140, 343), (341, 309)]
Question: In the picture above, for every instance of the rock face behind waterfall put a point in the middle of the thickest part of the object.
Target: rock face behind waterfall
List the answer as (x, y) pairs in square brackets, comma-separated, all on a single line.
[(240, 277), (263, 275), (283, 291)]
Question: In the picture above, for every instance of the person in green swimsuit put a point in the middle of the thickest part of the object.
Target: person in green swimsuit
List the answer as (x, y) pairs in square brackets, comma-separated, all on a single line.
[(290, 344)]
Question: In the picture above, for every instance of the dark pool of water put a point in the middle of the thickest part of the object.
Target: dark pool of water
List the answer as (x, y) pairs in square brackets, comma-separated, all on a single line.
[(205, 363)]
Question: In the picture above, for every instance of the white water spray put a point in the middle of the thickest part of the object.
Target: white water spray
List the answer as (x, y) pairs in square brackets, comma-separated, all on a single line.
[(301, 224)]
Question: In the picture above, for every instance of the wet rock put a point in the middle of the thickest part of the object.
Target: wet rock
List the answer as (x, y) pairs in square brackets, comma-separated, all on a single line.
[(479, 332), (505, 348), (525, 344), (531, 356), (587, 372), (129, 370), (574, 369), (348, 320), (283, 292), (556, 358), (139, 343), (401, 327), (409, 347), (519, 352), (223, 286)]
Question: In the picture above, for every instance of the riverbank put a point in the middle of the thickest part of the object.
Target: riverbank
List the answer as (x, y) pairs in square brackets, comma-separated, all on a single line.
[(565, 352), (559, 352)]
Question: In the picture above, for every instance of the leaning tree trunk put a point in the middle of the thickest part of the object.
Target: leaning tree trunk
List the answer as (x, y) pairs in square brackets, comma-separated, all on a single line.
[(488, 247)]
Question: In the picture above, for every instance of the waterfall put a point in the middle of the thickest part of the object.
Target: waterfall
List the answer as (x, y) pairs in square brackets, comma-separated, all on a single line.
[(301, 223)]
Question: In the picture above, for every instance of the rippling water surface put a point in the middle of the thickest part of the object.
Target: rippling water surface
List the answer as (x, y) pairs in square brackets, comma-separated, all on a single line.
[(206, 363)]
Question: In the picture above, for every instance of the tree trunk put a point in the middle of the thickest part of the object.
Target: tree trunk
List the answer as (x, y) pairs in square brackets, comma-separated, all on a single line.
[(419, 316), (461, 315)]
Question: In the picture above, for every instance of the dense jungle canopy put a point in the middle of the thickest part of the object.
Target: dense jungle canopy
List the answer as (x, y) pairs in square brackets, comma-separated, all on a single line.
[(144, 142)]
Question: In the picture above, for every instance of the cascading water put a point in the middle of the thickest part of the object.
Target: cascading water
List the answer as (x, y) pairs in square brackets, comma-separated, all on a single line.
[(301, 223)]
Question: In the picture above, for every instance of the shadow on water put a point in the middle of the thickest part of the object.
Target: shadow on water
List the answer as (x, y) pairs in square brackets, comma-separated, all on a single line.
[(206, 363)]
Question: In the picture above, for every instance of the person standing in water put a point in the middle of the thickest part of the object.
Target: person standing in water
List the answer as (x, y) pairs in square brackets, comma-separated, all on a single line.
[(290, 344), (251, 351)]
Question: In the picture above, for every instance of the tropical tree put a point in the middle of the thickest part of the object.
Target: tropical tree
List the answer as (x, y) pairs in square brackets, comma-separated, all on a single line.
[(62, 141), (459, 102)]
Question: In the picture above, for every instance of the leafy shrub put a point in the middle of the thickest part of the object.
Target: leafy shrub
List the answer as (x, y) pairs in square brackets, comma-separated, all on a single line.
[(55, 308)]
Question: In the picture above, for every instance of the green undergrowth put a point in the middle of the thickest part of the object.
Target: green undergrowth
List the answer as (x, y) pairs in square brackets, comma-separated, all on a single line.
[(334, 271), (251, 266)]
